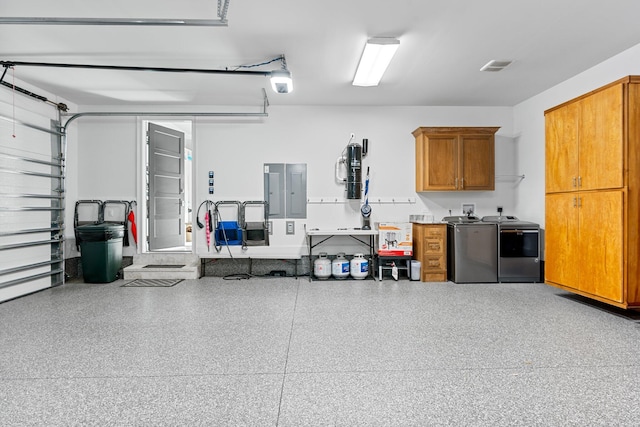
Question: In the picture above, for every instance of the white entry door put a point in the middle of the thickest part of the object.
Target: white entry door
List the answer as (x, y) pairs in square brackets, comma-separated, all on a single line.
[(166, 188)]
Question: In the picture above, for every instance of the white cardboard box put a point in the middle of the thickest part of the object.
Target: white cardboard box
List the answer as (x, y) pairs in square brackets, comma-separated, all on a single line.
[(395, 239)]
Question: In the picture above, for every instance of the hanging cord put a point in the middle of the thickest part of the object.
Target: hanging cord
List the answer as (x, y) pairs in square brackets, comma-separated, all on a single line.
[(200, 225), (279, 58), (344, 151), (218, 218), (13, 92)]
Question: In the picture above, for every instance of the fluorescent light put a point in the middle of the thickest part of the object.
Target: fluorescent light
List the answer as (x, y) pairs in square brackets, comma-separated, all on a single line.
[(375, 59), (281, 81)]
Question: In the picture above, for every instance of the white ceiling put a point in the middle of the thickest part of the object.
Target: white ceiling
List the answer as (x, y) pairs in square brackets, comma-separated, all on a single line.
[(443, 45)]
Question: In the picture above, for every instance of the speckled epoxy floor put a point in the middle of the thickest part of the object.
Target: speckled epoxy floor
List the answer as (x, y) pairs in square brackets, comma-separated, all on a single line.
[(288, 352)]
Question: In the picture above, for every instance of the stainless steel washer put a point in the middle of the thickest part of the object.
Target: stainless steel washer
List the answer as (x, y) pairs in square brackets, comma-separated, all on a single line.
[(472, 255)]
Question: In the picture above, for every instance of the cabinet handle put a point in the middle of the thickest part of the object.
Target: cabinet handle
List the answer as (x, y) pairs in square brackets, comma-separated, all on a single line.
[(456, 184), (574, 182), (580, 181), (575, 202), (579, 202), (462, 183)]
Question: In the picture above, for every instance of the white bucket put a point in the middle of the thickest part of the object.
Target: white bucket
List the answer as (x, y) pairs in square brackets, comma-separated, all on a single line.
[(322, 266), (340, 267), (359, 267), (415, 270)]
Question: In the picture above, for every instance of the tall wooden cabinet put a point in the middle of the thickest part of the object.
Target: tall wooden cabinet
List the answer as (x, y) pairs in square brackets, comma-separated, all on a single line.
[(592, 217), (455, 158), (430, 248)]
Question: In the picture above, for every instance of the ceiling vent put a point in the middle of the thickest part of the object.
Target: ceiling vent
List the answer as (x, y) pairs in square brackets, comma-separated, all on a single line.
[(494, 65)]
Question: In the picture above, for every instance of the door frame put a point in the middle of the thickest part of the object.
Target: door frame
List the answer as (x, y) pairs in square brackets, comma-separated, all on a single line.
[(141, 190)]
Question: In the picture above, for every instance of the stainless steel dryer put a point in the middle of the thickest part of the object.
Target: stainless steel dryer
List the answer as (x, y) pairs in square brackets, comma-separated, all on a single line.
[(472, 255)]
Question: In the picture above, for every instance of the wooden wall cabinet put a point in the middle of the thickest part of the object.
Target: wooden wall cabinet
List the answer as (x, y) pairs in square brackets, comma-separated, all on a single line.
[(592, 198), (430, 248), (455, 158), (585, 142)]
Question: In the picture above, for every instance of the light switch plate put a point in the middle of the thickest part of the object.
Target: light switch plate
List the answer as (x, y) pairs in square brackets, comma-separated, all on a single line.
[(291, 227)]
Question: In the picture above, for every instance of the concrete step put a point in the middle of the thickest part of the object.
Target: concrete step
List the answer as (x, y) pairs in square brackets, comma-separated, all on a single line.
[(164, 266), (157, 271)]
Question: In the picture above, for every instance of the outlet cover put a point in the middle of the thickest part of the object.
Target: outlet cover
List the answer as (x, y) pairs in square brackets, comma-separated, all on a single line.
[(291, 227), (468, 208)]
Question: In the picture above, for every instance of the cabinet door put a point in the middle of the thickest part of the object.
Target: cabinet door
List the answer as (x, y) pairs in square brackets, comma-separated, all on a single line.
[(436, 162), (477, 162), (601, 140), (601, 244), (561, 239), (561, 129)]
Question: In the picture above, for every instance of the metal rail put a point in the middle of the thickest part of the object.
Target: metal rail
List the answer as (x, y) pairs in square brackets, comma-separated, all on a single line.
[(29, 209), (32, 126), (29, 267), (31, 159), (8, 64), (32, 278), (30, 231), (26, 20), (161, 114), (30, 173), (221, 21), (30, 196), (30, 244)]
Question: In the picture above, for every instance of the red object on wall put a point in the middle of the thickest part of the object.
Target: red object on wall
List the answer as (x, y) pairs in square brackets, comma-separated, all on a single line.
[(132, 219)]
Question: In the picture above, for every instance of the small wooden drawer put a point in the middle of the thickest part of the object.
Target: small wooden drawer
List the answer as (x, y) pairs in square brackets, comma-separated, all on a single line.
[(434, 263), (435, 231), (433, 246)]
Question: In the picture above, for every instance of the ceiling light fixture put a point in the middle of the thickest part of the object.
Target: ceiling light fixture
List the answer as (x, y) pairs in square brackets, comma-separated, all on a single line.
[(375, 59), (281, 81)]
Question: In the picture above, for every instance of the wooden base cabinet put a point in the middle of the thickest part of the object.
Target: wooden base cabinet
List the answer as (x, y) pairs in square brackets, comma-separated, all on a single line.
[(592, 226), (430, 248), (585, 245)]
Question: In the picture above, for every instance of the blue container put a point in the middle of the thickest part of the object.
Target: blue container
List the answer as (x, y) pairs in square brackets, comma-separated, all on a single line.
[(228, 233)]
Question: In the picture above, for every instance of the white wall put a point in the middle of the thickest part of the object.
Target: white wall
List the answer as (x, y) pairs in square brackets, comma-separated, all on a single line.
[(103, 155), (236, 149), (105, 168), (529, 124)]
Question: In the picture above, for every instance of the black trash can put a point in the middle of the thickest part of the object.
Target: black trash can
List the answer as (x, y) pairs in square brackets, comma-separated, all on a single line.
[(101, 251)]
